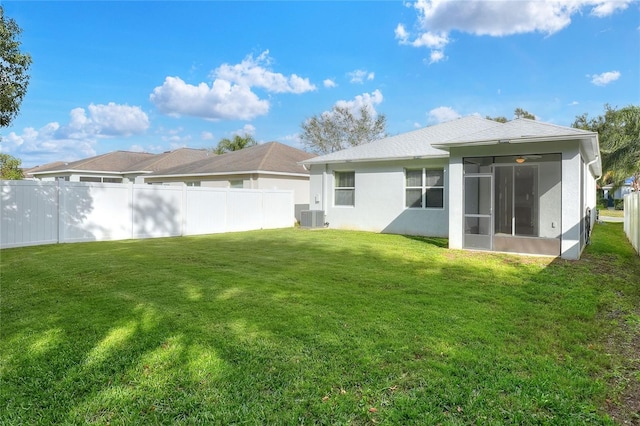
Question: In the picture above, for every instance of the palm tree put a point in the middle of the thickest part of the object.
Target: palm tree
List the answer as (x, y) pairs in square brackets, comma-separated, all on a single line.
[(236, 144)]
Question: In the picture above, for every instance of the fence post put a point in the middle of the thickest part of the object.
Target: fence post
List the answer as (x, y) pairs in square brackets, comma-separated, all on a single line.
[(60, 207), (183, 211)]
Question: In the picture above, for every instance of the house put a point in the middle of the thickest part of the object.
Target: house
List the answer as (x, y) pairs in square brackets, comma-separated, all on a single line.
[(612, 192), (523, 186), (267, 166), (27, 172), (117, 166)]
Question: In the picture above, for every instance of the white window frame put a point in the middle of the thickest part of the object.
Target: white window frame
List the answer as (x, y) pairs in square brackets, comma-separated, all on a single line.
[(424, 187), (343, 188)]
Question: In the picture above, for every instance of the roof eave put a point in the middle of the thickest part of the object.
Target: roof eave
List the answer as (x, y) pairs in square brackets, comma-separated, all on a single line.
[(369, 160), (521, 139), (262, 172), (55, 172)]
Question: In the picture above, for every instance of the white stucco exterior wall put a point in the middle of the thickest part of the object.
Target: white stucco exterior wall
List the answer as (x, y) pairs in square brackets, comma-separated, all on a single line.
[(379, 199), (298, 184), (572, 195), (456, 202)]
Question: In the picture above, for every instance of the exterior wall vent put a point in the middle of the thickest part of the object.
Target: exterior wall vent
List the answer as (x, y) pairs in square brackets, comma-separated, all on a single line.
[(312, 218)]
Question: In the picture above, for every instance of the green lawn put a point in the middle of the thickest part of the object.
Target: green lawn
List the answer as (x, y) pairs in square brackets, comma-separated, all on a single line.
[(611, 213), (317, 327)]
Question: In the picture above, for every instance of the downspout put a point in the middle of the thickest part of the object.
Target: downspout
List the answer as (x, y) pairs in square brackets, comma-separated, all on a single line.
[(324, 188), (592, 162), (594, 214)]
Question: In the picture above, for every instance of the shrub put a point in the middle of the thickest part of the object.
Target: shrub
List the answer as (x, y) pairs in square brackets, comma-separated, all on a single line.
[(619, 205)]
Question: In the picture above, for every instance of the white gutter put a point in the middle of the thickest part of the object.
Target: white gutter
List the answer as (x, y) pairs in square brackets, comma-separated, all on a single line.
[(97, 172), (179, 175), (520, 139), (368, 160)]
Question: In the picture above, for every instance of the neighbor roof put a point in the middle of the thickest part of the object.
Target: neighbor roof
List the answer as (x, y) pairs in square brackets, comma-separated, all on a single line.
[(123, 162), (170, 159), (417, 143), (28, 172), (113, 162), (272, 157)]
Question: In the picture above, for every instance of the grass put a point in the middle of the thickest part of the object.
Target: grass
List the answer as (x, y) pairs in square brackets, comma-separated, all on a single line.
[(611, 213), (317, 327)]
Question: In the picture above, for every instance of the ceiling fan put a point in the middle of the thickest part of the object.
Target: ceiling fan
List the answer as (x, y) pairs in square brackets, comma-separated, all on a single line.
[(522, 158)]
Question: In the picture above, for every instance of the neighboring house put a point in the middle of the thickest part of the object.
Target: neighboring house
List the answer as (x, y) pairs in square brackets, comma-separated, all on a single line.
[(117, 166), (27, 172), (267, 166), (523, 186), (619, 192)]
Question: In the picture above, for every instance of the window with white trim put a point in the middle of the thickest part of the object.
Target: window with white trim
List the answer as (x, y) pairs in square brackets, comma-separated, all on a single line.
[(424, 188), (345, 188)]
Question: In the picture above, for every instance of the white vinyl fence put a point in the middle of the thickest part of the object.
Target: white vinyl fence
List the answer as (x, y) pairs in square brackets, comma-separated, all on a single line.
[(632, 219), (36, 212)]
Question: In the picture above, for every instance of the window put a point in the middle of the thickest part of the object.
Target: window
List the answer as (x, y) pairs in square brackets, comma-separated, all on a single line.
[(100, 179), (236, 183), (193, 183), (345, 184), (90, 179), (424, 188)]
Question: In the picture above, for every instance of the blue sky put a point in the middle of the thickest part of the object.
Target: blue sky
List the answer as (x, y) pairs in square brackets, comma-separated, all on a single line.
[(156, 76)]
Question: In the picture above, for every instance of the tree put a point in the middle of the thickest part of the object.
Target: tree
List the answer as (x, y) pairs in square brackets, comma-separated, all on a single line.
[(10, 167), (619, 136), (13, 70), (520, 113), (236, 144), (517, 113), (499, 119), (340, 128)]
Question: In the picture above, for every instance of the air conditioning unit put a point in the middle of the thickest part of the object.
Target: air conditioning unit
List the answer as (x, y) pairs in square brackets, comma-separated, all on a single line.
[(312, 218)]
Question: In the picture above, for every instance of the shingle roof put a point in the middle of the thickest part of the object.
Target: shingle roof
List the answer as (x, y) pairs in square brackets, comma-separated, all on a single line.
[(170, 159), (27, 172), (127, 161), (268, 157), (434, 141), (116, 161), (520, 128), (417, 143)]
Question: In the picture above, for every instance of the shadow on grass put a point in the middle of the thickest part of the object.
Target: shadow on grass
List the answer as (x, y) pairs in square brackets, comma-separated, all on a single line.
[(437, 242), (294, 327)]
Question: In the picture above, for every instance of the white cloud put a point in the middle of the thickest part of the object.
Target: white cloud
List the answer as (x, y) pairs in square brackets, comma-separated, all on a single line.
[(45, 145), (438, 18), (436, 56), (221, 101), (117, 120), (402, 34), (206, 136), (366, 100), (329, 83), (605, 78), (358, 76), (606, 8), (247, 130), (253, 72), (230, 95), (574, 103), (78, 138), (442, 114)]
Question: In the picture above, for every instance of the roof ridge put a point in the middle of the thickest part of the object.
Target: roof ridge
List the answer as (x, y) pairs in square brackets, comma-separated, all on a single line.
[(547, 124), (90, 159), (264, 157), (159, 158)]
